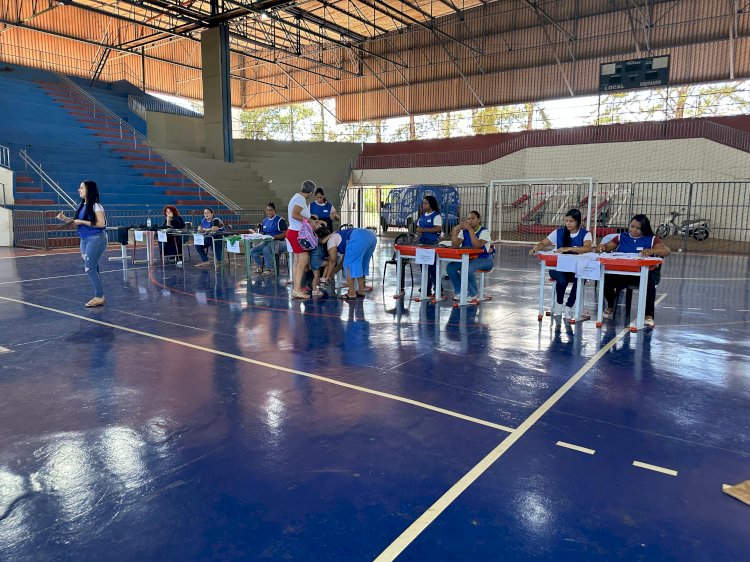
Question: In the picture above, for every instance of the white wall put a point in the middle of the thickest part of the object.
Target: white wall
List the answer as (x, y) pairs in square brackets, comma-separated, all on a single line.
[(6, 227), (688, 160), (6, 190)]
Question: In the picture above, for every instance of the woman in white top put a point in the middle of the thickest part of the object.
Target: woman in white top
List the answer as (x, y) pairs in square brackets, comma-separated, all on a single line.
[(298, 210), (570, 239), (90, 223)]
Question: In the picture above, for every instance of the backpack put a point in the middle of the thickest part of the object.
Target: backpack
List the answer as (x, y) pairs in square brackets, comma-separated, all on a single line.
[(306, 238)]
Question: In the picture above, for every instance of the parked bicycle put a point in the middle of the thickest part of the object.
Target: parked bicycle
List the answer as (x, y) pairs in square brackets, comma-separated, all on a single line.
[(695, 228)]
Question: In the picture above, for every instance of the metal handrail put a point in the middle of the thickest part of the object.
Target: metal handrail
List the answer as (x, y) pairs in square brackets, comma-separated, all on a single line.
[(5, 157), (137, 136), (46, 178)]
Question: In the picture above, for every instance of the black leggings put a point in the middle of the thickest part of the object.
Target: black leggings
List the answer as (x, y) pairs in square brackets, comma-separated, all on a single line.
[(613, 282)]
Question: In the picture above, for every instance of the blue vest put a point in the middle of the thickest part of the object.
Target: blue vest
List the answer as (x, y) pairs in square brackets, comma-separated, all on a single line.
[(271, 226), (85, 231), (631, 245), (345, 235), (466, 242), (426, 221), (323, 212), (575, 241), (207, 224)]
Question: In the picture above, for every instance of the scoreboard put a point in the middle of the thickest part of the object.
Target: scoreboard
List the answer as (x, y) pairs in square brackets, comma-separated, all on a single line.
[(650, 72)]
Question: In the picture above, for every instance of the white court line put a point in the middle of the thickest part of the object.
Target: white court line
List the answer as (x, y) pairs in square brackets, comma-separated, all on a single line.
[(271, 366), (690, 308), (5, 350), (743, 310), (71, 275), (575, 447), (667, 471), (719, 309), (434, 511)]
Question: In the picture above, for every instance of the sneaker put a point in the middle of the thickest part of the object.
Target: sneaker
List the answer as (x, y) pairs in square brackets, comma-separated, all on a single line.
[(96, 301), (178, 263), (569, 312), (608, 314), (557, 309), (649, 322), (456, 298)]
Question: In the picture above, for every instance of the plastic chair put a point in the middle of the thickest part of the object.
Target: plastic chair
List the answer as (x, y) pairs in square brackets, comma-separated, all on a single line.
[(404, 239)]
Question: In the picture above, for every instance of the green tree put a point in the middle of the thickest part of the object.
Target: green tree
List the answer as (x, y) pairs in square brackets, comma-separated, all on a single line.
[(277, 123), (506, 118)]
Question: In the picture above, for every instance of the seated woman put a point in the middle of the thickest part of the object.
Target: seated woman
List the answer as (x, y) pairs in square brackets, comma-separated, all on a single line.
[(639, 238), (570, 239), (212, 227), (172, 219), (429, 227), (357, 246), (470, 234), (273, 225)]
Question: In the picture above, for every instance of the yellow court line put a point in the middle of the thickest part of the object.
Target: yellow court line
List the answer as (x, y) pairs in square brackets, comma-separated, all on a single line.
[(4, 350), (575, 447), (434, 511), (655, 468), (272, 366)]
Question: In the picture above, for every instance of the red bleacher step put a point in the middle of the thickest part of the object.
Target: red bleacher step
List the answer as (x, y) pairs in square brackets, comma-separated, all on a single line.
[(28, 189), (35, 202)]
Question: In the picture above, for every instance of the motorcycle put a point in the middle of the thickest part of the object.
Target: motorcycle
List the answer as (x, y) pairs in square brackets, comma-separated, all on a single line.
[(695, 228)]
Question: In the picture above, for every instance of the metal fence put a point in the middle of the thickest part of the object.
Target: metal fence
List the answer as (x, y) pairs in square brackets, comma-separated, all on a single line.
[(41, 230), (698, 216)]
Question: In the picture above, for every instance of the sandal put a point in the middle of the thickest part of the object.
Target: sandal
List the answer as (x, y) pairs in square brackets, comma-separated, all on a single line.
[(360, 295), (300, 295), (608, 314), (316, 293), (259, 270), (348, 297)]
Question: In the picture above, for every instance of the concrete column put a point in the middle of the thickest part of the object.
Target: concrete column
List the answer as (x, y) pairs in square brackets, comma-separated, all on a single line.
[(217, 98)]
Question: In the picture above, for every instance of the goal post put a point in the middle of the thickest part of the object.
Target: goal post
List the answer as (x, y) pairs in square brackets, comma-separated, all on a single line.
[(526, 210)]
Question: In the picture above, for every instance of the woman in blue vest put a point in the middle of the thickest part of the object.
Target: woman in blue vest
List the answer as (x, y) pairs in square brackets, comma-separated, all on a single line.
[(212, 227), (357, 246), (90, 222), (569, 239), (322, 209), (429, 226), (470, 234), (639, 238), (273, 225)]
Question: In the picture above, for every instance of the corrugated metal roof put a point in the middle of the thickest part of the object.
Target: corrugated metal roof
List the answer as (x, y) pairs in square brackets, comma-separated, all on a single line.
[(378, 58)]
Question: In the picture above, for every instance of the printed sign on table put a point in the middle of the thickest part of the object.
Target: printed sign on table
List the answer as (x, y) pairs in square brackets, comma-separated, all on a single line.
[(161, 236), (138, 235), (567, 263), (198, 239), (233, 247), (589, 267), (425, 256)]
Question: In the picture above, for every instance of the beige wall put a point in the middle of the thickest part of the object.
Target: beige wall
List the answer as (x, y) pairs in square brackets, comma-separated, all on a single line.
[(688, 160), (176, 131), (6, 189)]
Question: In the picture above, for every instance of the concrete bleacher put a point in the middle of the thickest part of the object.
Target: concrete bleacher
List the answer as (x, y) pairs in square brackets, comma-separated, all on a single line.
[(73, 139)]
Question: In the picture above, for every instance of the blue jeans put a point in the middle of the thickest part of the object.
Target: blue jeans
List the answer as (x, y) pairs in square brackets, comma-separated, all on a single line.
[(264, 251), (454, 272), (209, 243), (563, 278), (92, 248)]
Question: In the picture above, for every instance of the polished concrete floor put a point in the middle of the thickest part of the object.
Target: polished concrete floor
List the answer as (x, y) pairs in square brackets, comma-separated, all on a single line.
[(205, 417)]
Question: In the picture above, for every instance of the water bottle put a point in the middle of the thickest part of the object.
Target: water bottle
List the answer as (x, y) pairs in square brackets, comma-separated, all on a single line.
[(148, 222)]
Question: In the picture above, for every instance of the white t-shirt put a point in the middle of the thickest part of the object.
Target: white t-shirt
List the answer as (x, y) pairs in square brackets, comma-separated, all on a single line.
[(297, 201), (552, 238), (484, 235), (438, 220), (333, 240)]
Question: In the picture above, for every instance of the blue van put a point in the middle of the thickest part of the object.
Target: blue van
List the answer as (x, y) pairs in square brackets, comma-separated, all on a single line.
[(404, 205)]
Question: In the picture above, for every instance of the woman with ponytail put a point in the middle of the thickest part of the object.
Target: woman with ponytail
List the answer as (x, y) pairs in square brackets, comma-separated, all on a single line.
[(570, 239), (90, 222)]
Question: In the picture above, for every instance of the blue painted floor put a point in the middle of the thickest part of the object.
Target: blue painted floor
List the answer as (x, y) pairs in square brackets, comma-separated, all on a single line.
[(205, 417)]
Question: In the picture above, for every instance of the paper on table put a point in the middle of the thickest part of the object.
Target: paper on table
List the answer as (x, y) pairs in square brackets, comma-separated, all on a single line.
[(425, 256), (138, 235), (567, 263), (589, 267), (198, 239), (161, 236), (233, 247)]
